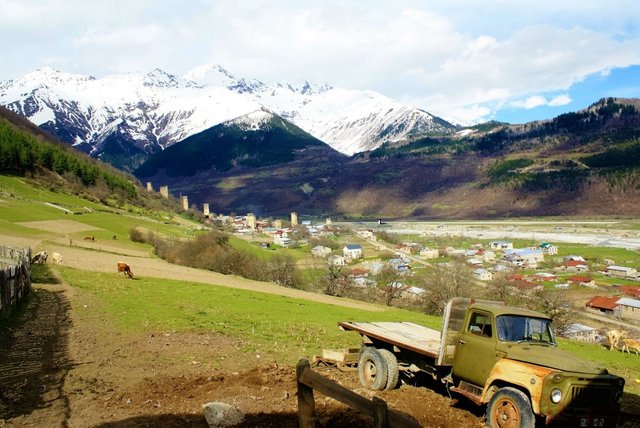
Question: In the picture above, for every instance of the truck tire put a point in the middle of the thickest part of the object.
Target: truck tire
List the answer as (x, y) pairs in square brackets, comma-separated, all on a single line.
[(372, 369), (393, 373), (510, 408)]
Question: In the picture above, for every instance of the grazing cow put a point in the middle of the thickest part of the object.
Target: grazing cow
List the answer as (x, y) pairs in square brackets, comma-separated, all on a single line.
[(57, 258), (631, 344), (40, 258), (124, 268), (614, 337), (90, 238)]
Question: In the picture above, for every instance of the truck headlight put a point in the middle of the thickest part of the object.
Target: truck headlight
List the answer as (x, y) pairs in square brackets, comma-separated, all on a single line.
[(618, 397), (556, 395)]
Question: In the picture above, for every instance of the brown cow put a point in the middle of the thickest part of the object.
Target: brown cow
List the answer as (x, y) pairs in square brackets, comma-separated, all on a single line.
[(614, 337), (124, 268), (90, 238), (628, 344)]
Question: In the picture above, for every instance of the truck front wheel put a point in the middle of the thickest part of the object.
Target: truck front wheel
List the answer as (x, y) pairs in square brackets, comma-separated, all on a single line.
[(372, 369), (510, 408)]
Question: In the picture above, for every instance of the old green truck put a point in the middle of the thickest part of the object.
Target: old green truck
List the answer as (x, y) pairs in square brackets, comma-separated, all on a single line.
[(505, 358)]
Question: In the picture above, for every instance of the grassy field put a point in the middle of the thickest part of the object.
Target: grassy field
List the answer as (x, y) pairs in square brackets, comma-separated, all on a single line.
[(281, 328), (23, 203)]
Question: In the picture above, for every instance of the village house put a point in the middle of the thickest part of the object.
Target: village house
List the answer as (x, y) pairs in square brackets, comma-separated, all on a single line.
[(622, 272), (405, 249), (583, 333), (629, 308), (525, 286), (548, 249), (352, 251), (282, 240), (336, 260), (501, 245), (630, 291), (474, 262), (544, 276), (583, 281), (606, 306), (413, 293), (374, 267), (574, 266), (320, 251), (428, 253), (522, 257), (574, 257), (487, 255), (359, 273), (482, 275)]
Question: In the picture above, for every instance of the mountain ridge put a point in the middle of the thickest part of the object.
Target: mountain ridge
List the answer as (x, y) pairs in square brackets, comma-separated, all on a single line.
[(148, 112)]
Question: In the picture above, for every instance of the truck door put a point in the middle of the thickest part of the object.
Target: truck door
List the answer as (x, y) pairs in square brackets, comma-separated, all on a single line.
[(476, 352)]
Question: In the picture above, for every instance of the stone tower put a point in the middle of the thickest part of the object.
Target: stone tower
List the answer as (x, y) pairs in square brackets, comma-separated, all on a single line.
[(251, 220), (149, 187), (164, 191), (294, 219), (184, 202), (205, 210)]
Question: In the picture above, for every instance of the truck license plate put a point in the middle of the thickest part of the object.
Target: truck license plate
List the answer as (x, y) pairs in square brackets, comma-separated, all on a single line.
[(595, 422)]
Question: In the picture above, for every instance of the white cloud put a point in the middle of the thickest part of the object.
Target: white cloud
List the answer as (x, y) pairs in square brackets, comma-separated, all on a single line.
[(461, 59), (560, 100), (531, 102)]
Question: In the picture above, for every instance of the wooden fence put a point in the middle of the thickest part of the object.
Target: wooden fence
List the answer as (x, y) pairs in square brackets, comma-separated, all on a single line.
[(15, 278), (308, 380)]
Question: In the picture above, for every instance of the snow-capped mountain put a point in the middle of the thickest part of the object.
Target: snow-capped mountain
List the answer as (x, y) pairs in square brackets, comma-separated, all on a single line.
[(149, 112)]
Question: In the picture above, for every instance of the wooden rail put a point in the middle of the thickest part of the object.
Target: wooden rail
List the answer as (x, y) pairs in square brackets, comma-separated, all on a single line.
[(308, 380), (15, 278)]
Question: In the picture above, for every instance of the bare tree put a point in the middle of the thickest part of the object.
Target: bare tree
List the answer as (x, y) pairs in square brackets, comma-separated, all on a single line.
[(387, 280), (335, 282), (502, 290), (556, 305), (445, 282), (283, 271)]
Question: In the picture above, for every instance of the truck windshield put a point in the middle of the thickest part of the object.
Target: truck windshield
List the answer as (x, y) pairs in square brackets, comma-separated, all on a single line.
[(516, 328)]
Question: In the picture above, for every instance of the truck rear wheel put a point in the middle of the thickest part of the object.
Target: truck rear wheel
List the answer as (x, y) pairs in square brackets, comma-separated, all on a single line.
[(393, 373), (510, 408), (372, 369)]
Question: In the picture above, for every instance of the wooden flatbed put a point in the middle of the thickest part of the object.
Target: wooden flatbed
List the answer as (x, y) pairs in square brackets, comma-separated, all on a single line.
[(404, 335)]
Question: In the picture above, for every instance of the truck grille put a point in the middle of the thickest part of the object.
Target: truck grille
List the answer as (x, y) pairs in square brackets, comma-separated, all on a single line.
[(589, 396)]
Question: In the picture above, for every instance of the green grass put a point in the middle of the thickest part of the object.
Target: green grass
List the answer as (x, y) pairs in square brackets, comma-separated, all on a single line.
[(283, 328), (625, 365)]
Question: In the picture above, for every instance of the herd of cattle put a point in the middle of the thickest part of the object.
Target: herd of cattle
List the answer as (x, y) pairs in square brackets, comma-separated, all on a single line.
[(628, 344), (43, 256)]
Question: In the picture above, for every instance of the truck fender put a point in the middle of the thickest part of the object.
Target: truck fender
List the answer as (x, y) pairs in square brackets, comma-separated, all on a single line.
[(526, 377)]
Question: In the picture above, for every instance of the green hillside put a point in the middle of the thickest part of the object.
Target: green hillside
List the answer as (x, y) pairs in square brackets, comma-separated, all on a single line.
[(230, 145)]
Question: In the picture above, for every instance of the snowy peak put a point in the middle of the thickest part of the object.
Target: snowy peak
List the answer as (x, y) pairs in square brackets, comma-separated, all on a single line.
[(154, 110), (253, 121)]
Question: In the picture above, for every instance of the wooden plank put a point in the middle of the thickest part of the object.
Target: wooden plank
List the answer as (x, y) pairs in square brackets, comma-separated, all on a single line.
[(407, 335), (316, 382)]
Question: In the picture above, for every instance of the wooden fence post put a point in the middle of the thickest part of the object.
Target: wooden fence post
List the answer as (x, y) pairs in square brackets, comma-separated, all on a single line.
[(380, 413), (306, 402)]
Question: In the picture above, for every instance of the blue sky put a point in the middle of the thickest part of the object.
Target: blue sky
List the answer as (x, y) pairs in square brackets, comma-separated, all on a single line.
[(465, 60)]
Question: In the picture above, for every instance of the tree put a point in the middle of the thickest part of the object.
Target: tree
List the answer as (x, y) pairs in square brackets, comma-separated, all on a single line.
[(387, 280), (501, 290), (556, 305), (283, 271), (445, 282), (335, 282)]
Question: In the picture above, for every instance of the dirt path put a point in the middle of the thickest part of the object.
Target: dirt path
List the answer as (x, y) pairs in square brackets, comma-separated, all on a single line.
[(94, 259)]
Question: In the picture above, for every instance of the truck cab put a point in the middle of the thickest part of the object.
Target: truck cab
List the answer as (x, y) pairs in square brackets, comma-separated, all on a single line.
[(508, 359)]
